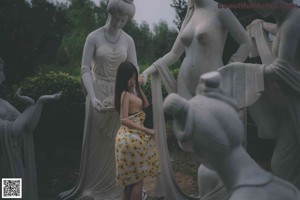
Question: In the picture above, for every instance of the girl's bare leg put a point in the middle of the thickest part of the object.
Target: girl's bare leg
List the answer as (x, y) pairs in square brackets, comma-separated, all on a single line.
[(136, 191), (127, 191)]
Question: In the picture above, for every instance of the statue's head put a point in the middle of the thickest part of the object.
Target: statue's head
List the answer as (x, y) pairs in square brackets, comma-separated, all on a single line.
[(123, 7), (2, 76), (208, 125)]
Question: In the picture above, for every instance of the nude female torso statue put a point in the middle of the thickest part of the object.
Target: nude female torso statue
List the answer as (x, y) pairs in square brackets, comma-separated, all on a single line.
[(202, 39), (203, 43)]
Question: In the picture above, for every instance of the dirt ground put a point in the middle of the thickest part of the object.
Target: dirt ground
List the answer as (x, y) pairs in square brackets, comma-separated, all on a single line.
[(58, 168), (58, 165)]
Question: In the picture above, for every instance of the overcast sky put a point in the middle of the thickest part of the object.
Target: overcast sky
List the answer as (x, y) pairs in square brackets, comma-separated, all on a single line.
[(152, 11)]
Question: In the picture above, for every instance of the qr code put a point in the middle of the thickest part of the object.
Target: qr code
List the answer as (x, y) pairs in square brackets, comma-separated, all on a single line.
[(12, 188)]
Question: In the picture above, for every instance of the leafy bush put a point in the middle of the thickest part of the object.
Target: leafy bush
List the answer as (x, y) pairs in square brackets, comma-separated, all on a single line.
[(62, 118)]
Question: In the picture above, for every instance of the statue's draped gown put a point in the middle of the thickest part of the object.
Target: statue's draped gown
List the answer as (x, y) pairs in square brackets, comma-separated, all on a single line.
[(17, 159), (97, 168)]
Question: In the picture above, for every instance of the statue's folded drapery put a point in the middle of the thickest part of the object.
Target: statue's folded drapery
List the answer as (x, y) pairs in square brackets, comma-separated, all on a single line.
[(276, 113), (166, 184), (17, 158), (285, 109), (244, 82)]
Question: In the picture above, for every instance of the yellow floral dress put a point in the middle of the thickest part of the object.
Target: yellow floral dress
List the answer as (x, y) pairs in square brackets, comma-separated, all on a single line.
[(136, 153)]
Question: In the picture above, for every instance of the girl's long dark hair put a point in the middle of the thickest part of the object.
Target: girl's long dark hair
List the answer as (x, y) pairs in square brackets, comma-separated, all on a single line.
[(125, 71)]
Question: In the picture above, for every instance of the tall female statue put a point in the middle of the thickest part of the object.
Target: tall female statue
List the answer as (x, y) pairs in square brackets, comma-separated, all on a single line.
[(202, 39), (17, 158), (277, 112), (104, 49)]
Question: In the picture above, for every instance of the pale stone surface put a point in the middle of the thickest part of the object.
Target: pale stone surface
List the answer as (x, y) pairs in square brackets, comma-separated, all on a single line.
[(208, 126), (277, 111), (105, 48), (201, 38), (17, 158)]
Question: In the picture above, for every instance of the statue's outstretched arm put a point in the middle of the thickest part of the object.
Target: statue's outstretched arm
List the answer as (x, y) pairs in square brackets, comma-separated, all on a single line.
[(24, 99), (29, 118)]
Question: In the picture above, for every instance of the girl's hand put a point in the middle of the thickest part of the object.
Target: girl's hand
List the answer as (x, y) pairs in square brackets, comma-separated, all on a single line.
[(150, 131)]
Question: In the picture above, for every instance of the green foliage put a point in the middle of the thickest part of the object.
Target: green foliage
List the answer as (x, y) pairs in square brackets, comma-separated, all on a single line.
[(163, 39), (142, 37), (83, 16), (180, 7), (64, 117), (30, 35), (49, 83)]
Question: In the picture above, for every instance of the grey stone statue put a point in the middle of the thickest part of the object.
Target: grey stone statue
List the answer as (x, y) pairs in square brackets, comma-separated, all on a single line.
[(208, 126), (272, 90), (17, 158), (105, 48), (202, 38)]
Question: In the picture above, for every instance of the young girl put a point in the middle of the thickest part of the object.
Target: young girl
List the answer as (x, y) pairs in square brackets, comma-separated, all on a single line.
[(135, 150)]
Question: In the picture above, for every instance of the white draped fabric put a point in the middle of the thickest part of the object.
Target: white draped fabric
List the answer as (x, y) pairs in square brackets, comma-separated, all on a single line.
[(277, 112)]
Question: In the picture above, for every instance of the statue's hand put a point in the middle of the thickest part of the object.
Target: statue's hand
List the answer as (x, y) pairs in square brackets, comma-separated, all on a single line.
[(97, 104), (150, 70), (254, 22), (25, 99), (48, 98), (143, 79)]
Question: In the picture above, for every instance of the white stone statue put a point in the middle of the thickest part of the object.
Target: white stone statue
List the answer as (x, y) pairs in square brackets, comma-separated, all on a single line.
[(202, 39), (208, 126), (104, 49), (277, 112), (17, 158)]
